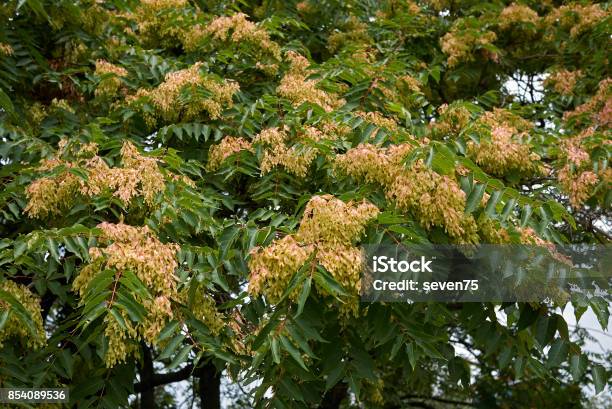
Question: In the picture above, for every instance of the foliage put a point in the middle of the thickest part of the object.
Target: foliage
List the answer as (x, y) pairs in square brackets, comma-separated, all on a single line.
[(185, 185)]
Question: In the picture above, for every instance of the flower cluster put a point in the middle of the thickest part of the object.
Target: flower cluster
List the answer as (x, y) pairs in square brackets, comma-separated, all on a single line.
[(491, 231), (272, 267), (298, 89), (453, 118), (563, 81), (577, 177), (137, 250), (460, 44), (236, 29), (161, 22), (139, 176), (51, 195), (229, 146), (330, 220), (579, 185), (295, 158), (517, 13), (354, 32), (6, 49), (13, 327), (203, 307), (576, 17), (411, 83), (378, 119), (187, 94), (503, 147), (504, 152), (327, 232), (110, 77), (434, 199), (597, 110)]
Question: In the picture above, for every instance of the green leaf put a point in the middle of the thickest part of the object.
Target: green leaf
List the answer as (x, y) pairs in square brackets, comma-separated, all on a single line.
[(525, 215), (334, 376), (293, 351), (326, 281), (4, 315), (557, 353), (5, 102), (493, 200), (303, 296), (20, 247), (412, 354), (600, 377), (17, 308), (117, 316), (171, 347), (578, 366), (53, 249), (601, 308), (473, 200), (275, 350), (168, 330), (508, 208), (180, 357)]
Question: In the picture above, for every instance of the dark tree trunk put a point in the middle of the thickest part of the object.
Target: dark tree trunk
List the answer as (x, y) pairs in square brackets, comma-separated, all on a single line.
[(147, 395), (209, 385), (334, 397)]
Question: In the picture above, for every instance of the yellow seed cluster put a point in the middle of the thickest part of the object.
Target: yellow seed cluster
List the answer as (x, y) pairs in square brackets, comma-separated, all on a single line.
[(271, 268), (236, 29), (330, 220), (109, 85), (452, 120), (138, 250), (170, 106), (203, 307), (576, 177), (228, 147), (491, 231), (138, 176), (135, 249), (460, 44), (354, 32), (160, 21), (563, 81), (517, 13), (329, 229), (504, 152), (579, 185), (298, 89), (296, 159), (6, 49), (378, 119), (506, 149), (434, 199), (576, 17), (13, 327), (120, 344), (411, 83), (597, 110), (51, 195), (334, 129)]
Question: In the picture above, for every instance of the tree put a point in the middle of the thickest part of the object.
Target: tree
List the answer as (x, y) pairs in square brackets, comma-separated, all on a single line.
[(186, 183)]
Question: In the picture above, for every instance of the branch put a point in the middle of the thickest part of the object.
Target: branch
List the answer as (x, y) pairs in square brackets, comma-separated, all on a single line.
[(438, 399), (165, 378)]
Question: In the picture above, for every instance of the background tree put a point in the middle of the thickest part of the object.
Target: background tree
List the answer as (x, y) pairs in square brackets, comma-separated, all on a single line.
[(185, 186)]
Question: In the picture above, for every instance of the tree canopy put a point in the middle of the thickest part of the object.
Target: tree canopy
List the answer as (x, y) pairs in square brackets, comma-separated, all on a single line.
[(186, 185)]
